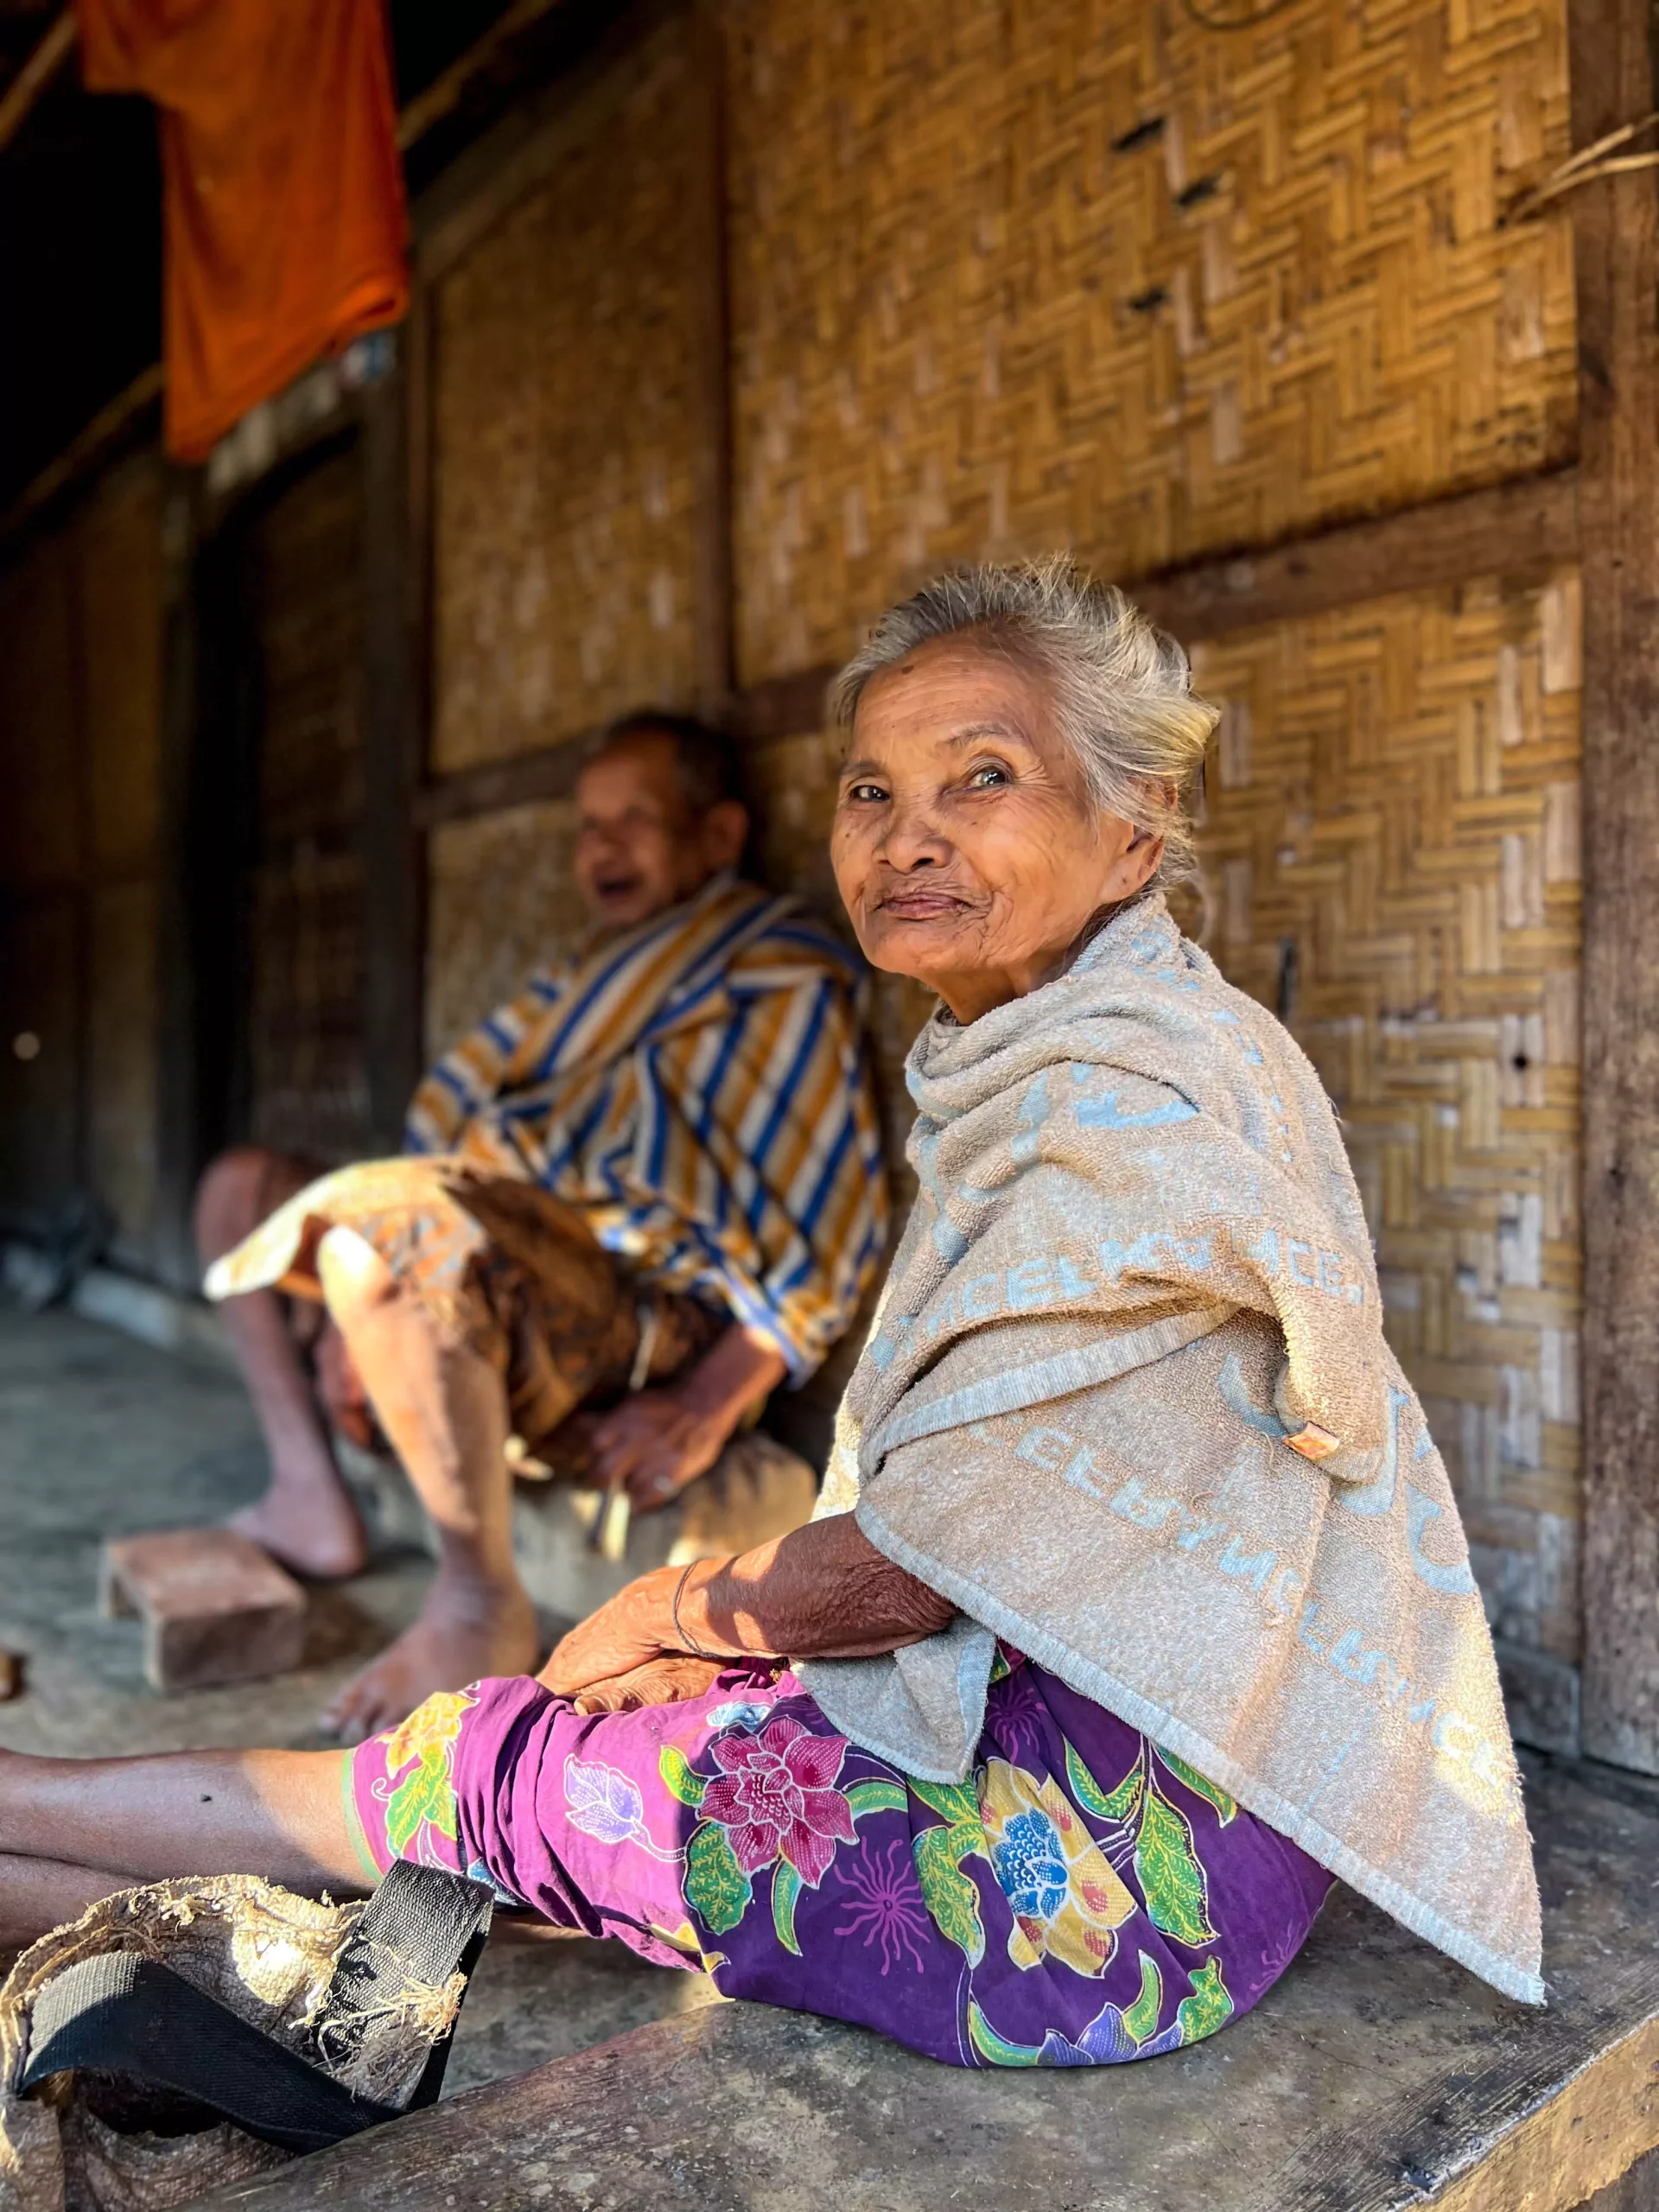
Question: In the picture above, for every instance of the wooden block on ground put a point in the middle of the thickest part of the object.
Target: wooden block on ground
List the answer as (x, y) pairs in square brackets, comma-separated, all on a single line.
[(214, 1607)]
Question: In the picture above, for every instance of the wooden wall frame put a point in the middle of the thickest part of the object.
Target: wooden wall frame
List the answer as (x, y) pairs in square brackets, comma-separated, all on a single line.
[(1616, 252)]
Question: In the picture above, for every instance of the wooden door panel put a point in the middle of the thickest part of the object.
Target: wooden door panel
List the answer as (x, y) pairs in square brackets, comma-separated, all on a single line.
[(305, 1056)]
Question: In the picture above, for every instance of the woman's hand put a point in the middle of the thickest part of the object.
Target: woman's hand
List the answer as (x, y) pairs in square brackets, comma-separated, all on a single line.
[(653, 1443), (635, 1628), (823, 1592), (668, 1681)]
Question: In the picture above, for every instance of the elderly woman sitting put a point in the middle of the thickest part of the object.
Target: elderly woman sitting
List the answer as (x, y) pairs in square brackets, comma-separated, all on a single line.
[(1137, 1605)]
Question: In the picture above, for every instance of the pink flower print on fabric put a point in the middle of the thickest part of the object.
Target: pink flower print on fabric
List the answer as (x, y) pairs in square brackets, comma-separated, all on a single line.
[(774, 1798)]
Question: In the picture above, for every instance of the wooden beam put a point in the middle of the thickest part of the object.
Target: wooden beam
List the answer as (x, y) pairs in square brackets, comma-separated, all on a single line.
[(1615, 256), (36, 74), (780, 706), (447, 90), (1521, 529), (473, 192), (549, 773), (115, 425)]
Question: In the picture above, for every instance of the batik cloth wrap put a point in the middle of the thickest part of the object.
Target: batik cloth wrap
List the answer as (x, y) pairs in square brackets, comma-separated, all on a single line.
[(1082, 1898), (1129, 1403), (500, 1268), (694, 1090)]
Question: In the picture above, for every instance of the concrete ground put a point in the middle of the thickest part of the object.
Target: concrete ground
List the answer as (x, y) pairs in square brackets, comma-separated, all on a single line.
[(102, 1436)]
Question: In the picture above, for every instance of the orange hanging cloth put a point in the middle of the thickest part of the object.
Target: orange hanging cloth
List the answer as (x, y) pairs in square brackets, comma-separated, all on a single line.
[(285, 220)]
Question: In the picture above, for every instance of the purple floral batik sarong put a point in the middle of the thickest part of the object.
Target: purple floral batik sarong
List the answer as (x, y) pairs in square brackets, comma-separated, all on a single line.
[(1084, 1898)]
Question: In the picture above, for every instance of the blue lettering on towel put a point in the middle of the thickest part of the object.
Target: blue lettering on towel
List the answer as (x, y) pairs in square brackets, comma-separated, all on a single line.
[(1106, 1114)]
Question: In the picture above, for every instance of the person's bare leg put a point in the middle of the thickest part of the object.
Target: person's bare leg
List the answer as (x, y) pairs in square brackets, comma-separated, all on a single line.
[(74, 1830), (444, 1412), (307, 1518)]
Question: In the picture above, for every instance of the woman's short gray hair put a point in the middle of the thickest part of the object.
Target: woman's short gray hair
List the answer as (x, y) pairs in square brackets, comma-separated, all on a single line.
[(1123, 689)]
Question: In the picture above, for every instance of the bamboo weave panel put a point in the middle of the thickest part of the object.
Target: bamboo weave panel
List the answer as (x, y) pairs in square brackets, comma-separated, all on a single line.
[(563, 423), (502, 901), (1392, 860), (939, 239)]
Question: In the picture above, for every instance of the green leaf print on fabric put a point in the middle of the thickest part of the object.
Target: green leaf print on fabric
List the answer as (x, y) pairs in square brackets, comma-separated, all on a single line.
[(1200, 1785), (785, 1889), (1166, 1864), (424, 1794), (672, 1765), (993, 2049), (1172, 1880), (1117, 1805), (877, 1797), (1209, 2007), (716, 1888), (955, 1802), (1141, 2018), (947, 1893)]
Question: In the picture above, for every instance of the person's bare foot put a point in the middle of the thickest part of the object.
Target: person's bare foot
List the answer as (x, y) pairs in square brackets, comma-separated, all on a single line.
[(318, 1531), (458, 1638)]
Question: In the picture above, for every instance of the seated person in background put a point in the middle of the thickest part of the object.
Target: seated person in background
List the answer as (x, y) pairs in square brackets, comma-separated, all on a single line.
[(652, 1184), (1137, 1605)]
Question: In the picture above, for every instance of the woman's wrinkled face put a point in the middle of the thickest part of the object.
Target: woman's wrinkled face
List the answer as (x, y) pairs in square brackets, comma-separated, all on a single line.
[(967, 849)]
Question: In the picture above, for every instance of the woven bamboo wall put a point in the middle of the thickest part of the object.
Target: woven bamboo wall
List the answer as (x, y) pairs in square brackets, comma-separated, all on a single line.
[(502, 902), (1080, 273), (1392, 858), (562, 426)]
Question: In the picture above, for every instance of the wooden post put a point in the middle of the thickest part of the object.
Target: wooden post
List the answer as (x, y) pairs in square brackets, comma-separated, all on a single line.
[(393, 753), (1616, 241), (712, 551)]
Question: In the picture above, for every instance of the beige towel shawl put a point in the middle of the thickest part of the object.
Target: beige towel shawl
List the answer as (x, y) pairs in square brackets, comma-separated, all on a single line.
[(1129, 1403)]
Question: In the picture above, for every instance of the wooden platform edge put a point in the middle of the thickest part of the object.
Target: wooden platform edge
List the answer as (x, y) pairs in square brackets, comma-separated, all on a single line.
[(1582, 2138), (1587, 2136)]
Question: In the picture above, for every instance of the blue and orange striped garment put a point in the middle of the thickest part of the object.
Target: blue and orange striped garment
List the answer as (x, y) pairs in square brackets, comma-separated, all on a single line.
[(697, 1086)]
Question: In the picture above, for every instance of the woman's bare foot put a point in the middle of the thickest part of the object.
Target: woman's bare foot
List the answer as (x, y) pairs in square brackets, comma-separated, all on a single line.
[(460, 1635), (314, 1527)]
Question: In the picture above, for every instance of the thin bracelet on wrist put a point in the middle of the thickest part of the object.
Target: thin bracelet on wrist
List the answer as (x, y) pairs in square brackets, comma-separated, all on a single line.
[(688, 1642)]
